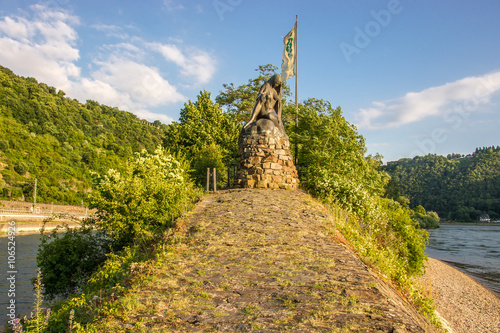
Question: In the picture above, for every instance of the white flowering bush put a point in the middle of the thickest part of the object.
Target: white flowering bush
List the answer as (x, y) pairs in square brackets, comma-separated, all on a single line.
[(350, 195), (146, 195)]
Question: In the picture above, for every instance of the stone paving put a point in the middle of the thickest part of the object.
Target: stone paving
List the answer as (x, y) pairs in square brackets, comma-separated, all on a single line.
[(265, 261)]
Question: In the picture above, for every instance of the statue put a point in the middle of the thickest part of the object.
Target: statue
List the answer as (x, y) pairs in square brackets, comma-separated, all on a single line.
[(266, 114)]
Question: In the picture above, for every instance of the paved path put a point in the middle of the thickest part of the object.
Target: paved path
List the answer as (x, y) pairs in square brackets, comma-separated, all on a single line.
[(264, 260)]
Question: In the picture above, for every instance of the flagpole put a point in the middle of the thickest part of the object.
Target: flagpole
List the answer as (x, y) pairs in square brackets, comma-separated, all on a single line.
[(296, 87)]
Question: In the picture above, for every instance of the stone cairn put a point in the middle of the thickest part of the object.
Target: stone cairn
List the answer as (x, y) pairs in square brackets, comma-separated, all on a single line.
[(266, 161)]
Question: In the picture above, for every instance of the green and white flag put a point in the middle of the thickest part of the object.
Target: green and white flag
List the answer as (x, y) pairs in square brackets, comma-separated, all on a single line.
[(288, 61)]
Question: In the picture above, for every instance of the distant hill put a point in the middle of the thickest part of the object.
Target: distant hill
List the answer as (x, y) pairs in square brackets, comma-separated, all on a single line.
[(457, 187), (59, 141)]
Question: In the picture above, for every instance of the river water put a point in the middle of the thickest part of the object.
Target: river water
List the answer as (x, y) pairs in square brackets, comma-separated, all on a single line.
[(472, 249), (24, 269)]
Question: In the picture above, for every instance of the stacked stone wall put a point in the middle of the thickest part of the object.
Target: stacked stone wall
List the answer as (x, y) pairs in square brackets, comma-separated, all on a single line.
[(266, 162)]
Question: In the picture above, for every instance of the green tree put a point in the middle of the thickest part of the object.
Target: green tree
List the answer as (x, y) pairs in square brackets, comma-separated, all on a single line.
[(239, 101), (458, 187), (203, 123), (209, 156), (21, 168), (332, 156), (427, 220)]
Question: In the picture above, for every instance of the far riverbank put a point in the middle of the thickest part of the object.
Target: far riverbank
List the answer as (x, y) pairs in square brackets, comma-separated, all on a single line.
[(470, 223), (32, 227)]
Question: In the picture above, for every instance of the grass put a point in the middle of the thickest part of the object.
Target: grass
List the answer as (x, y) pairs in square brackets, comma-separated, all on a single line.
[(202, 295), (250, 310)]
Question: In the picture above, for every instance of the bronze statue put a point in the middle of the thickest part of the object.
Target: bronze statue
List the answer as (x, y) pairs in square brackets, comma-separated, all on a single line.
[(266, 114)]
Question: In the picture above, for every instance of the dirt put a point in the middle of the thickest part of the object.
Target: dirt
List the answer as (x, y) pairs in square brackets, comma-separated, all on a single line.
[(264, 260)]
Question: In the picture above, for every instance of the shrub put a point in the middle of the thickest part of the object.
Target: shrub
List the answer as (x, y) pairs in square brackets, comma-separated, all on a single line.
[(427, 220), (68, 259), (150, 191), (4, 145), (21, 168), (334, 169), (132, 205)]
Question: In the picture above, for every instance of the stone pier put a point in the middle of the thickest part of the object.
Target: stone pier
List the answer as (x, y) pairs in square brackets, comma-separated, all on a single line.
[(266, 161)]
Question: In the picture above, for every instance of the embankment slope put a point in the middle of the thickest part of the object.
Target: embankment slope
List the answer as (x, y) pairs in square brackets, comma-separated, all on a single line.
[(264, 260)]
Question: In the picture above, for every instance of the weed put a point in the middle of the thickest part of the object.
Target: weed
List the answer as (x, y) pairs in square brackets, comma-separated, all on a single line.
[(250, 283), (289, 304), (38, 320), (202, 295), (250, 310), (255, 326), (218, 314)]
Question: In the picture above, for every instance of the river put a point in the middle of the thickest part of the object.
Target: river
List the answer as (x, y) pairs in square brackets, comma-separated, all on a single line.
[(24, 269), (472, 249)]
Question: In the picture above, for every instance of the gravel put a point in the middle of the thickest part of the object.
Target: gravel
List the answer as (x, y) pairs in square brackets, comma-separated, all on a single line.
[(464, 304)]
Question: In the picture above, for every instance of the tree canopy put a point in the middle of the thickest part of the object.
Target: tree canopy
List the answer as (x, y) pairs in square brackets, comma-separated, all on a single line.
[(239, 101), (458, 187)]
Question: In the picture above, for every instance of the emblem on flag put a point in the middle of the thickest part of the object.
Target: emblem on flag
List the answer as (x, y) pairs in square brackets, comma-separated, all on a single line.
[(288, 59)]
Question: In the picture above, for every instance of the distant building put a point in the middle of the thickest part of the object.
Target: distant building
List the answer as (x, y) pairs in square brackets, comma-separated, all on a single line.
[(485, 218)]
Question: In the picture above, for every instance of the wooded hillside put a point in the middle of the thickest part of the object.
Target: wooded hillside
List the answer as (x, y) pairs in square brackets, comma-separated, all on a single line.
[(59, 140), (457, 187)]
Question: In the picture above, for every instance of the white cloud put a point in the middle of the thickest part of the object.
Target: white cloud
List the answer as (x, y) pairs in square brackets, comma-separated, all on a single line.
[(41, 48), (172, 5), (106, 94), (111, 30), (18, 29), (194, 63), (43, 44), (467, 93), (143, 84)]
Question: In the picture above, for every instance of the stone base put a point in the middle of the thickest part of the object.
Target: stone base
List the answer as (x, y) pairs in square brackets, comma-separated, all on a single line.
[(266, 162)]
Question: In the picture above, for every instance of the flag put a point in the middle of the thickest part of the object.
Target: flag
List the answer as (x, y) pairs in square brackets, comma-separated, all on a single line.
[(288, 60)]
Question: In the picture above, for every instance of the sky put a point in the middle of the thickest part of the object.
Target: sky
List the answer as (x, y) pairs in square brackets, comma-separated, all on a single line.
[(414, 77)]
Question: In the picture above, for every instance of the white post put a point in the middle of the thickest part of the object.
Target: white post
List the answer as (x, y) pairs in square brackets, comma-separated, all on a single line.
[(208, 179)]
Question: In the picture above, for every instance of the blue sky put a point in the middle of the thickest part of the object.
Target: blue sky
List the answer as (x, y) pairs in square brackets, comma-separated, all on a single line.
[(415, 77)]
